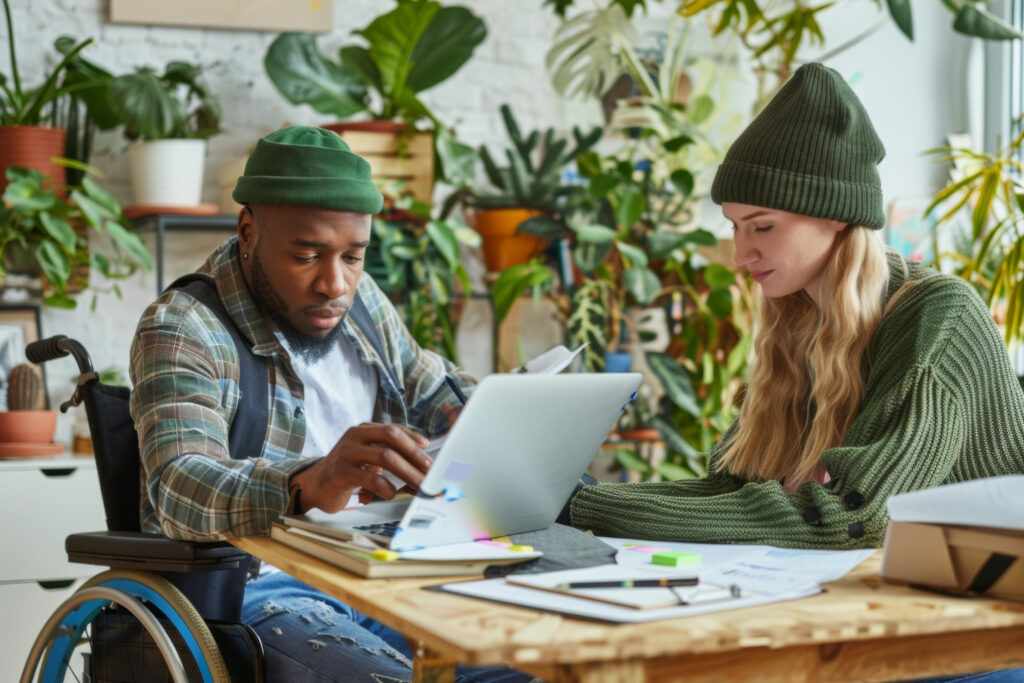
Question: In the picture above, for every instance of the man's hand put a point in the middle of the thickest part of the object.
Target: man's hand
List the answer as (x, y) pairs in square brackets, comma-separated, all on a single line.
[(356, 462)]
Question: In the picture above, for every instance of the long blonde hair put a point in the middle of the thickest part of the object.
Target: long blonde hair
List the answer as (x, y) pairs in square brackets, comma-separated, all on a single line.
[(808, 367)]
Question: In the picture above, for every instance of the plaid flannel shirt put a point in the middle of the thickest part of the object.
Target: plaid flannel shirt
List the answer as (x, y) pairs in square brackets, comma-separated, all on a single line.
[(184, 367)]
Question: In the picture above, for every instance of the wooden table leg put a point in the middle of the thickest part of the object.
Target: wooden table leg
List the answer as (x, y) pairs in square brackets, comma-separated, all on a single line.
[(430, 667)]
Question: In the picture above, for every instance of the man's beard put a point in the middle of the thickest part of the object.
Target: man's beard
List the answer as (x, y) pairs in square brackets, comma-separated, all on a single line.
[(311, 348)]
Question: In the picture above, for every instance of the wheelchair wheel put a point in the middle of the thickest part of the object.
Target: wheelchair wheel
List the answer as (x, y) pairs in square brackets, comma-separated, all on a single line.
[(142, 595)]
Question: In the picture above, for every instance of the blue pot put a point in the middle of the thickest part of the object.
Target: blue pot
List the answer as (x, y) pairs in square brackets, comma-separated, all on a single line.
[(618, 361)]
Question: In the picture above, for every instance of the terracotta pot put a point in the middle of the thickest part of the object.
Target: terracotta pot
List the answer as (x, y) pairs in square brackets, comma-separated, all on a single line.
[(33, 147), (503, 246), (27, 426), (646, 434)]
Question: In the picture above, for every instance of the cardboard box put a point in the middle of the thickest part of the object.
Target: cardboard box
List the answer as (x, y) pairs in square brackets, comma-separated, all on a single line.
[(959, 559)]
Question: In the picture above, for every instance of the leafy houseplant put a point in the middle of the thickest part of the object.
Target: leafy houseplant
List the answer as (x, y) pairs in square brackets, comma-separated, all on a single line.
[(774, 32), (171, 115), (620, 227), (85, 109), (991, 254), (24, 139), (530, 186), (37, 230), (421, 256), (414, 47), (632, 247)]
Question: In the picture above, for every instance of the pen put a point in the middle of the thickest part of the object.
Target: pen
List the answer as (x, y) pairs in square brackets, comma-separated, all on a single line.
[(631, 583), (456, 389), (695, 598)]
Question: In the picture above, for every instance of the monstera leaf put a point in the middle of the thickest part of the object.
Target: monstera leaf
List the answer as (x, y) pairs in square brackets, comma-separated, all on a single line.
[(582, 61), (412, 48), (304, 76)]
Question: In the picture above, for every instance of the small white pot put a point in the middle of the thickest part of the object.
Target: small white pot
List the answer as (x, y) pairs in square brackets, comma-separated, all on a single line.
[(168, 172)]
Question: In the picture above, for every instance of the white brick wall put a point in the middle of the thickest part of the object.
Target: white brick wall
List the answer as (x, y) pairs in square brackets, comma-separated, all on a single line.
[(508, 66)]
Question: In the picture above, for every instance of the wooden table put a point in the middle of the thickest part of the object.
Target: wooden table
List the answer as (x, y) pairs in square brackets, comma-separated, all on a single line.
[(861, 629)]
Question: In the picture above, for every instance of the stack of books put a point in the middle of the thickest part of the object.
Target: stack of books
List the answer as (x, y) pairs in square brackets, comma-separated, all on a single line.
[(365, 558)]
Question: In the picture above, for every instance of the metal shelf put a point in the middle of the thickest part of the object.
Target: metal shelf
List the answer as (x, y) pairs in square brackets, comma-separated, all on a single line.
[(163, 222)]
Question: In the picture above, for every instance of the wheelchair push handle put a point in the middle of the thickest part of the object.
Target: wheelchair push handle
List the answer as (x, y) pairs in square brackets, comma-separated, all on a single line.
[(58, 346)]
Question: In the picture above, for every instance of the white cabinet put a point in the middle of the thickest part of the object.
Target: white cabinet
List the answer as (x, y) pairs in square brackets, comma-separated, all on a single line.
[(41, 502)]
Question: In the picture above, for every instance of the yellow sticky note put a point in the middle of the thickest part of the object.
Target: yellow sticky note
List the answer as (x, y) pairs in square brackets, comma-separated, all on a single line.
[(385, 555), (521, 548)]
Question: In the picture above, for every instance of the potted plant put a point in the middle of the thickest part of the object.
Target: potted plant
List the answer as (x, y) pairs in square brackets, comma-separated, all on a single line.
[(421, 258), (169, 116), (85, 109), (38, 234), (527, 187), (985, 195), (24, 140), (410, 49)]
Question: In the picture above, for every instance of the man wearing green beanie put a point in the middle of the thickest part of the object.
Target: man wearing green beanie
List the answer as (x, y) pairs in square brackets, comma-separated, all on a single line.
[(285, 385)]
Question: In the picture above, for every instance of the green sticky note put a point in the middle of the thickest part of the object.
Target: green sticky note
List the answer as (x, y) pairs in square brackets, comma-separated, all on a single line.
[(676, 558)]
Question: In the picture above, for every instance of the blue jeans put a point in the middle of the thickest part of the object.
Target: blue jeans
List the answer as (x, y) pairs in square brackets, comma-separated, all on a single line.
[(1004, 676), (311, 637)]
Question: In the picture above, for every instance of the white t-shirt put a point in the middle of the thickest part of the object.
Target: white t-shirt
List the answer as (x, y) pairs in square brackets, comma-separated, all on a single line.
[(340, 393)]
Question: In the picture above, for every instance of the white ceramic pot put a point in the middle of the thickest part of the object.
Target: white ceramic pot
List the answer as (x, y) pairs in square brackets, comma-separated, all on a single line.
[(168, 172)]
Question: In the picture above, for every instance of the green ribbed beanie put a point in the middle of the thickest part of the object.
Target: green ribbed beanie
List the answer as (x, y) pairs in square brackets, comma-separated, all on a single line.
[(310, 167), (811, 151)]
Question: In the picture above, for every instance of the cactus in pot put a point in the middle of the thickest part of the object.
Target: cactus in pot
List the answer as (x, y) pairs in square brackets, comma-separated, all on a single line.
[(26, 427), (25, 389)]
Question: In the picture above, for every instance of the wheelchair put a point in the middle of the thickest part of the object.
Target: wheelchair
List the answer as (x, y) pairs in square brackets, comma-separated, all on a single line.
[(165, 610)]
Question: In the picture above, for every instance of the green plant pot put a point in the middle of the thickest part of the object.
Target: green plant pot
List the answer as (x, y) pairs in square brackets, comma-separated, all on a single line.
[(19, 260)]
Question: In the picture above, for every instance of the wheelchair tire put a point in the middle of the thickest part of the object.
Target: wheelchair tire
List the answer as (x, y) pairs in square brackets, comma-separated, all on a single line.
[(64, 630)]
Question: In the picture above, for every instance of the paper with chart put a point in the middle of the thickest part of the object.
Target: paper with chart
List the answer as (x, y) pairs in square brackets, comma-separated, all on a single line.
[(766, 574), (757, 569)]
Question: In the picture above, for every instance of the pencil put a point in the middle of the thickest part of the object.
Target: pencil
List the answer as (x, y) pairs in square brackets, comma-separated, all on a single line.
[(631, 583)]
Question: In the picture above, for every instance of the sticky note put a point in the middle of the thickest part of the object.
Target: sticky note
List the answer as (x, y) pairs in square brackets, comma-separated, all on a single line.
[(385, 555), (643, 548), (521, 548), (676, 558), (452, 493)]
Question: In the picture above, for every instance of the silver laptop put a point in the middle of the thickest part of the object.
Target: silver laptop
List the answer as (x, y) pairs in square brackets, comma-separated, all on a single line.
[(508, 464)]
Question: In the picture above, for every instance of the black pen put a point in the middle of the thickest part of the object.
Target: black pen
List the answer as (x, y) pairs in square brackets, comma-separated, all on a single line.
[(456, 389), (631, 583), (734, 591)]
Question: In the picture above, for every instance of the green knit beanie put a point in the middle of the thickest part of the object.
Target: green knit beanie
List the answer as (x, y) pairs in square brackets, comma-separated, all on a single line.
[(812, 151), (310, 167)]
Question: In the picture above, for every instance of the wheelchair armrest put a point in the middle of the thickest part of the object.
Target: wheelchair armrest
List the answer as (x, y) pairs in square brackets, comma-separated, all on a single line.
[(150, 552)]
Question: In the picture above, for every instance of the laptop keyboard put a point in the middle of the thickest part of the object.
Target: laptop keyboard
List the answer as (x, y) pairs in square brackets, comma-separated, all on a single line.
[(383, 529)]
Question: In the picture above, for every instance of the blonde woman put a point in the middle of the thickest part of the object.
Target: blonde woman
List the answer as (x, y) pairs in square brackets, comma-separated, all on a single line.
[(870, 375)]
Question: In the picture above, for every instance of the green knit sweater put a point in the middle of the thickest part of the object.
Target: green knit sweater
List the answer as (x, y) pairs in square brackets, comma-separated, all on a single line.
[(941, 405)]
